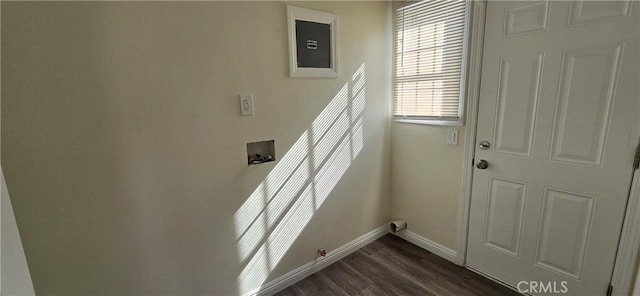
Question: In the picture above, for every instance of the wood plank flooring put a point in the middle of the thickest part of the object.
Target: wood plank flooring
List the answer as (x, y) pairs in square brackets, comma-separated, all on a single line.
[(393, 266)]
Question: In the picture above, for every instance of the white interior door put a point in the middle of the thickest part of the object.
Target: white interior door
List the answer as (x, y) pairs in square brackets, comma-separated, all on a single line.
[(559, 105)]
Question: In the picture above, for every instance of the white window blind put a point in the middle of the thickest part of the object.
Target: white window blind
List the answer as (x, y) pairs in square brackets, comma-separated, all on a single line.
[(429, 60)]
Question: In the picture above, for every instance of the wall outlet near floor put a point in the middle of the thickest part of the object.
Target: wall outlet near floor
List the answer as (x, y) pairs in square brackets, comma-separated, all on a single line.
[(246, 104), (452, 137)]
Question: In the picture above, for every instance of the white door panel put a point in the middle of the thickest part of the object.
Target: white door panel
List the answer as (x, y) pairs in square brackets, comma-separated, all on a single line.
[(559, 99), (517, 98), (503, 228), (564, 228), (584, 101)]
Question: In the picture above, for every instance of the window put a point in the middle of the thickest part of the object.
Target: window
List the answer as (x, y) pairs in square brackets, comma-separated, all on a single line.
[(430, 61)]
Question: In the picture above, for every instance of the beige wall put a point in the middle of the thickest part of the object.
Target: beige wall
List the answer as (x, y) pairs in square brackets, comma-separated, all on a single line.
[(427, 180), (124, 150), (15, 278)]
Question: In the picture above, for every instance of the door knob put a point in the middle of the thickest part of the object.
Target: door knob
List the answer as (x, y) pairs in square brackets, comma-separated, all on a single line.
[(482, 164)]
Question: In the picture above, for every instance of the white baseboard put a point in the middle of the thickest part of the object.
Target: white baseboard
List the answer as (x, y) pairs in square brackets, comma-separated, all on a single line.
[(312, 267), (428, 245)]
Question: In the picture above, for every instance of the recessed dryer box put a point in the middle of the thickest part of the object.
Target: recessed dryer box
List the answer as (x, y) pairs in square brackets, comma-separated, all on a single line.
[(261, 152)]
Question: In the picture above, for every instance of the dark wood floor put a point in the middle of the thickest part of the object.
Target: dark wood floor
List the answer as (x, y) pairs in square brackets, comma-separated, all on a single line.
[(392, 266)]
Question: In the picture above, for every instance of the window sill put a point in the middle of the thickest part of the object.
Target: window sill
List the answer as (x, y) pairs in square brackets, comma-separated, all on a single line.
[(458, 122)]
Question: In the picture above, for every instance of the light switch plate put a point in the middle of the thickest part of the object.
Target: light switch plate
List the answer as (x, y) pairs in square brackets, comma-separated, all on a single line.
[(452, 137), (246, 104)]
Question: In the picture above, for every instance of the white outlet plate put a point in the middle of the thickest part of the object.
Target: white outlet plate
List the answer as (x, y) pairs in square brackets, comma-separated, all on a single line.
[(452, 137), (246, 104)]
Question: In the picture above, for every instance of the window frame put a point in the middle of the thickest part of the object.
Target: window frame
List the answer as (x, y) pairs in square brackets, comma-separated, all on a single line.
[(433, 120)]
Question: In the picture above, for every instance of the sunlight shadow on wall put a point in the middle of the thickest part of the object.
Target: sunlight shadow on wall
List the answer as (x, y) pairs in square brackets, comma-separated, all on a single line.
[(275, 214)]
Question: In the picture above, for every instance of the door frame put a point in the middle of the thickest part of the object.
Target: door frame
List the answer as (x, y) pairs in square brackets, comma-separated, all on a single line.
[(476, 47), (623, 277)]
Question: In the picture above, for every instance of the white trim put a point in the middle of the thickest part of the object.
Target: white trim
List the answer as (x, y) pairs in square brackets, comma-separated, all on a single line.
[(623, 271), (314, 266), (428, 245), (475, 71), (298, 13), (458, 122), (636, 290), (466, 49)]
